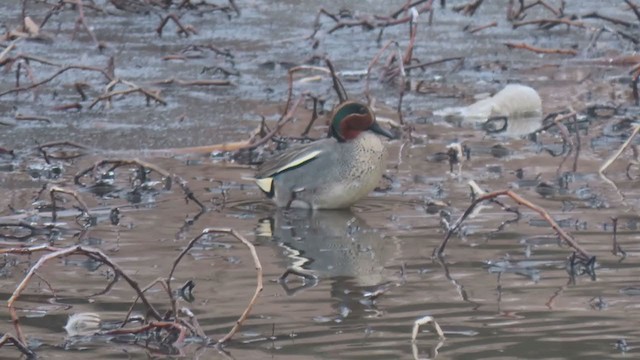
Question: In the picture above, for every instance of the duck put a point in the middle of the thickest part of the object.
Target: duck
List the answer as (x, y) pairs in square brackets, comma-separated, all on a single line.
[(331, 173)]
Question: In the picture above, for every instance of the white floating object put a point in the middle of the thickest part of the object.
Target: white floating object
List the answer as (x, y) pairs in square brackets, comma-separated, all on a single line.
[(519, 106), (82, 324)]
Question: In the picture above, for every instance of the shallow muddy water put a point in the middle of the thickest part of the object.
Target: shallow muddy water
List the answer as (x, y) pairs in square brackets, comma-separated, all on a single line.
[(502, 291)]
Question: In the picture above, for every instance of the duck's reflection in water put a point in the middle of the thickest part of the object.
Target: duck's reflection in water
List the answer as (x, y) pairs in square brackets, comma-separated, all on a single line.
[(326, 244), (335, 246)]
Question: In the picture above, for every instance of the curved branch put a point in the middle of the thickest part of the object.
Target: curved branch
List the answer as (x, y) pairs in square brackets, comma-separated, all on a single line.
[(256, 261)]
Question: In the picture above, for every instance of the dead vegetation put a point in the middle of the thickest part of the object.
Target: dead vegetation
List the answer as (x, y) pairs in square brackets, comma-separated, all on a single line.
[(394, 66), (168, 328)]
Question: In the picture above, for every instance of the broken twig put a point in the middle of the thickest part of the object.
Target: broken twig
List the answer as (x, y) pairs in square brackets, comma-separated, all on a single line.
[(521, 201)]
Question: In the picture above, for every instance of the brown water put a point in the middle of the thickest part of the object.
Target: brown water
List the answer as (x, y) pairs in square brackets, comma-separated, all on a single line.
[(497, 294)]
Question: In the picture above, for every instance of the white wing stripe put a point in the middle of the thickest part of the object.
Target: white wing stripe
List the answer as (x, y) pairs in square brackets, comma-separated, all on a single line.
[(298, 161)]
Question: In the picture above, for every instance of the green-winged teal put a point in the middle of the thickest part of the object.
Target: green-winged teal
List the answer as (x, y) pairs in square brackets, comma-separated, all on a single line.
[(331, 173)]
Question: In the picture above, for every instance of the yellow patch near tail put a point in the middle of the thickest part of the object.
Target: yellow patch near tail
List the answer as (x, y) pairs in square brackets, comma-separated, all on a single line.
[(265, 184)]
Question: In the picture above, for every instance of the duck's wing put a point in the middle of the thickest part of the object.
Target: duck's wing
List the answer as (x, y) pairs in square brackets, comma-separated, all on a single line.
[(287, 160)]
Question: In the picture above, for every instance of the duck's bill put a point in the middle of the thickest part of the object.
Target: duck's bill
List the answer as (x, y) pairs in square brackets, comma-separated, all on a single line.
[(376, 128)]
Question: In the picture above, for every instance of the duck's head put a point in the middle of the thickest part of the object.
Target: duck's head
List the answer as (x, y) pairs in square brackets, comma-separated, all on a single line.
[(352, 118)]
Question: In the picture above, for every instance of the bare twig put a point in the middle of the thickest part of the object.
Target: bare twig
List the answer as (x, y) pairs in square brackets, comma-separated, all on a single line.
[(337, 84), (57, 189), (79, 4), (549, 23), (408, 5), (521, 201), (20, 345), (7, 50), (413, 30), (62, 252), (372, 63), (577, 144), (460, 59), (186, 30), (27, 57), (473, 30), (21, 117), (281, 123), (617, 154), (248, 144), (469, 8), (81, 150), (597, 15), (539, 50), (290, 73), (56, 74), (519, 14), (256, 262), (133, 88), (371, 22), (633, 7), (314, 117), (160, 281), (64, 107), (181, 82), (617, 249)]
